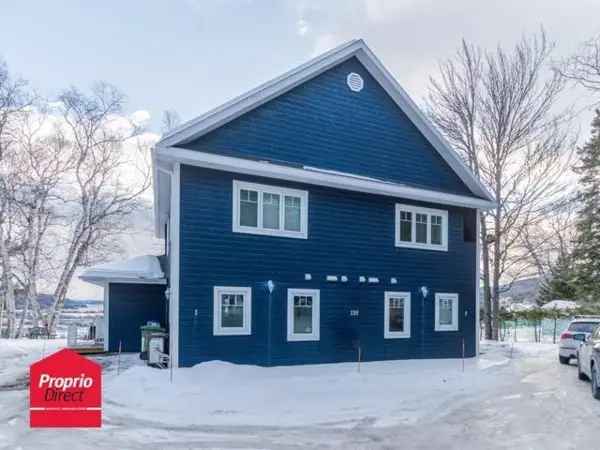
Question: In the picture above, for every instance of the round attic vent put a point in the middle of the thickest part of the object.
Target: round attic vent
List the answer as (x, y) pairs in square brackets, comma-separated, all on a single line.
[(355, 82)]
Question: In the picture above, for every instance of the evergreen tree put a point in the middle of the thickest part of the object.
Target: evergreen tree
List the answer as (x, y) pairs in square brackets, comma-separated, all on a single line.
[(560, 284), (587, 243)]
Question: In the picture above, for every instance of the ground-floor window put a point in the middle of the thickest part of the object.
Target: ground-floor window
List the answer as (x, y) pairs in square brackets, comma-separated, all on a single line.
[(303, 315), (232, 311), (446, 312), (397, 315)]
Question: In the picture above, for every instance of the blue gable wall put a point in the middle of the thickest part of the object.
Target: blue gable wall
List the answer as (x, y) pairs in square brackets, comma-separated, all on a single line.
[(322, 123), (349, 234)]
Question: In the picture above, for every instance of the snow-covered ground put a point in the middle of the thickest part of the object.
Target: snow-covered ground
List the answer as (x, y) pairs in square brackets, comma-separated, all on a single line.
[(17, 354), (512, 396)]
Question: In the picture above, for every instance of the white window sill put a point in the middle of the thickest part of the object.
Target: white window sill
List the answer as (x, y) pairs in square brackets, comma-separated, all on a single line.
[(392, 335), (302, 338), (267, 232), (439, 248)]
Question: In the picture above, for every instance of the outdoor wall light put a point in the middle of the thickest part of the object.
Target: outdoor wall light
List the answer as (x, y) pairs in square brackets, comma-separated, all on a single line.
[(424, 291), (270, 286)]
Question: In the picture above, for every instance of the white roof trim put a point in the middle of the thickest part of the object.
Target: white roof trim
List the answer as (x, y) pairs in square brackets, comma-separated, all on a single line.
[(310, 175), (271, 89), (141, 269)]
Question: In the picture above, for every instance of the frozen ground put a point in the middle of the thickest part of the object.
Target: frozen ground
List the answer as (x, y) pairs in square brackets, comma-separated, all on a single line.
[(508, 398)]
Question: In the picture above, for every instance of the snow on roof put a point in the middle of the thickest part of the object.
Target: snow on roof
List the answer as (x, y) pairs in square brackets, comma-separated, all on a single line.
[(515, 307), (560, 305), (140, 269)]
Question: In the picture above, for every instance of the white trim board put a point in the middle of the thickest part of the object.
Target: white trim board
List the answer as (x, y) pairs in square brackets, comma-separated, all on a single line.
[(356, 48), (106, 314), (309, 175), (174, 268), (477, 280), (100, 281)]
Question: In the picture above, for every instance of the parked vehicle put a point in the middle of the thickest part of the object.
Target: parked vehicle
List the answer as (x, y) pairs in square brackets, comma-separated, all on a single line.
[(571, 339), (588, 361)]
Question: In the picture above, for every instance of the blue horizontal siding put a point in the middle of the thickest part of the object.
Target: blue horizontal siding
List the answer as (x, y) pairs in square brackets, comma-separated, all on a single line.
[(322, 123), (349, 234), (130, 307)]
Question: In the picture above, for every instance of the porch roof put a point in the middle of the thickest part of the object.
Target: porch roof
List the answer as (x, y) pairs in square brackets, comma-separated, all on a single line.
[(140, 269)]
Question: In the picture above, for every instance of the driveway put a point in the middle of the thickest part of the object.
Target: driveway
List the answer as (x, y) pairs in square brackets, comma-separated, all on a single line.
[(536, 403)]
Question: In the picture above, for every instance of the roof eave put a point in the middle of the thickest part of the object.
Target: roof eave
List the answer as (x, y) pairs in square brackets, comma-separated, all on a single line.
[(338, 180)]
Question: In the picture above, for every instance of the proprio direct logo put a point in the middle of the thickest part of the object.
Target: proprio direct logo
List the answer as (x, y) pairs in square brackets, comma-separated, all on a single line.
[(65, 391)]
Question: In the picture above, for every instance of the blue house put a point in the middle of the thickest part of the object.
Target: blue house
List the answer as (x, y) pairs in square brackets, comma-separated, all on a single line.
[(311, 218)]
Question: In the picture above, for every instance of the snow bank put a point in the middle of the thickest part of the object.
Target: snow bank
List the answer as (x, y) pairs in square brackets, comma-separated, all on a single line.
[(560, 305), (16, 355), (387, 392)]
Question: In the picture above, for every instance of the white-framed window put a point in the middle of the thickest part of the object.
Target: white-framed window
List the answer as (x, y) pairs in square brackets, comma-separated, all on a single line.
[(446, 312), (269, 210), (303, 314), (423, 228), (232, 313), (397, 315)]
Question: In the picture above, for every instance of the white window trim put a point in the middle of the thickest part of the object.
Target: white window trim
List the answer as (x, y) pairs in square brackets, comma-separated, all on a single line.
[(316, 316), (429, 212), (455, 307), (244, 330), (386, 321), (282, 192)]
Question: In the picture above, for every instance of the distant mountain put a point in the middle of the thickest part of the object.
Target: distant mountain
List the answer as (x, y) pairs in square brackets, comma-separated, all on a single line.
[(523, 291), (45, 301)]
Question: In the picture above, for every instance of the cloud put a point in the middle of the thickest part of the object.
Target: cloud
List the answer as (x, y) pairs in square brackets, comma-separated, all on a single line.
[(325, 42), (302, 27), (386, 10), (140, 118)]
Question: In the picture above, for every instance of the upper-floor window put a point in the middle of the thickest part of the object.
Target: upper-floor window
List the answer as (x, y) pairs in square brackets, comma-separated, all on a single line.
[(271, 210), (418, 227)]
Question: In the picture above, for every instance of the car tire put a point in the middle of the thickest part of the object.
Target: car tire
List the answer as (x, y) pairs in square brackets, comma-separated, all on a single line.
[(582, 376), (595, 383), (564, 359)]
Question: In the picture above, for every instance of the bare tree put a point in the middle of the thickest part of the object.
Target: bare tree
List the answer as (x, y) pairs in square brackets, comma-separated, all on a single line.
[(40, 167), (584, 66), (15, 98), (497, 109), (170, 120), (106, 181)]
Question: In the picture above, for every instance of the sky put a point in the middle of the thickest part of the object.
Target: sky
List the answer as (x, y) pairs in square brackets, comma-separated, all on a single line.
[(192, 55)]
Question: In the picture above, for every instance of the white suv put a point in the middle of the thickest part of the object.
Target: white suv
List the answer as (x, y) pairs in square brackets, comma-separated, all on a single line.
[(572, 337)]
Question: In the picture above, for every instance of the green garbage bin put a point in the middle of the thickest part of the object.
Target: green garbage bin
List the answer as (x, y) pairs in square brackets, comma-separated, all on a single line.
[(146, 331)]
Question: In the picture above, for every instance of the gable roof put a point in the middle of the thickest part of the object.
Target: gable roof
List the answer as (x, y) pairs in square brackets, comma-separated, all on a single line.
[(238, 106)]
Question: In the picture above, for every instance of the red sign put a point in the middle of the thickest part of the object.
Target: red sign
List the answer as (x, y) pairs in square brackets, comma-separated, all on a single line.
[(65, 390)]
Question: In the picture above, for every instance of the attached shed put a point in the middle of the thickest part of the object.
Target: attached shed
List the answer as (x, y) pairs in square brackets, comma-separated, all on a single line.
[(134, 294)]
